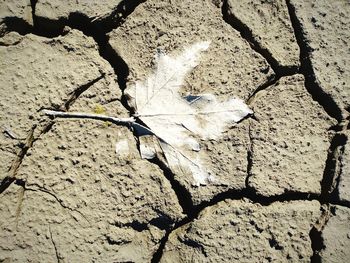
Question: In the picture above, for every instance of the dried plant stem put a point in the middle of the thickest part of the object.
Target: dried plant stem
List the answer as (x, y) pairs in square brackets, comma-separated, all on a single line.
[(82, 115), (130, 122), (141, 129)]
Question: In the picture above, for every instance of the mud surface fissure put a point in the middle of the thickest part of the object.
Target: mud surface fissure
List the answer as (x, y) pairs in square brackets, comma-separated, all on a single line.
[(331, 173), (8, 180), (246, 193), (183, 196), (247, 34), (54, 245), (38, 188), (306, 68), (317, 242), (30, 139), (99, 28)]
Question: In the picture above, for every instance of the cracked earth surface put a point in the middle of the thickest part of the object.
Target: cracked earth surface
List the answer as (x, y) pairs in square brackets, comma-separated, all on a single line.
[(67, 196)]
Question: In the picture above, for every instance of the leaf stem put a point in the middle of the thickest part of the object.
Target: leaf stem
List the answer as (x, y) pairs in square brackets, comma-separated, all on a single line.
[(82, 115)]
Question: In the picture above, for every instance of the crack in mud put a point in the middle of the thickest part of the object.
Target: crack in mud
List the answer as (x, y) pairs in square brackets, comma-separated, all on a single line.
[(247, 34), (77, 92), (183, 196), (33, 5), (249, 159), (317, 93), (268, 83), (98, 29), (135, 225), (30, 139), (54, 245), (315, 234), (59, 201), (246, 193), (331, 172), (8, 180)]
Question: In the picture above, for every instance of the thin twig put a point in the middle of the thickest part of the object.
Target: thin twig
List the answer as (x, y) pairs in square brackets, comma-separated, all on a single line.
[(11, 134), (143, 130), (82, 115), (118, 121)]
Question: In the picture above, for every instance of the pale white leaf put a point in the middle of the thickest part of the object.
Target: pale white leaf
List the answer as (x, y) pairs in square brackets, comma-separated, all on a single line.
[(177, 121)]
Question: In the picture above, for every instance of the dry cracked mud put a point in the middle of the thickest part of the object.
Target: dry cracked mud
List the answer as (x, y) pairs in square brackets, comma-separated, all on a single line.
[(77, 190)]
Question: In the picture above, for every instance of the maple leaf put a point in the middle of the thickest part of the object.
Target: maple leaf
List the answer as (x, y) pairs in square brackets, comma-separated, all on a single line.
[(178, 121)]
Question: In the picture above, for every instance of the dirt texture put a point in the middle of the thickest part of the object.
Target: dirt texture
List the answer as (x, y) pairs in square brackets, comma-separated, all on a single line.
[(336, 236), (325, 28), (241, 231), (58, 10), (77, 190), (268, 25), (344, 176), (223, 70), (92, 203), (289, 142), (38, 72), (14, 11)]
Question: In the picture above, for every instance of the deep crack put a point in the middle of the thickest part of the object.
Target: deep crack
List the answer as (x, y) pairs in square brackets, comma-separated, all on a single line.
[(99, 28), (311, 84), (232, 195), (96, 28), (183, 196), (33, 5), (315, 234), (331, 171), (247, 34)]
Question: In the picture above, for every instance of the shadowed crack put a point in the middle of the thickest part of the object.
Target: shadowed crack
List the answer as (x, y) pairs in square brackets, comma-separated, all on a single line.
[(97, 28), (246, 193), (183, 196), (33, 5), (78, 91), (311, 84), (196, 245), (247, 34), (136, 225), (268, 83), (8, 180), (334, 168), (315, 234), (249, 159)]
